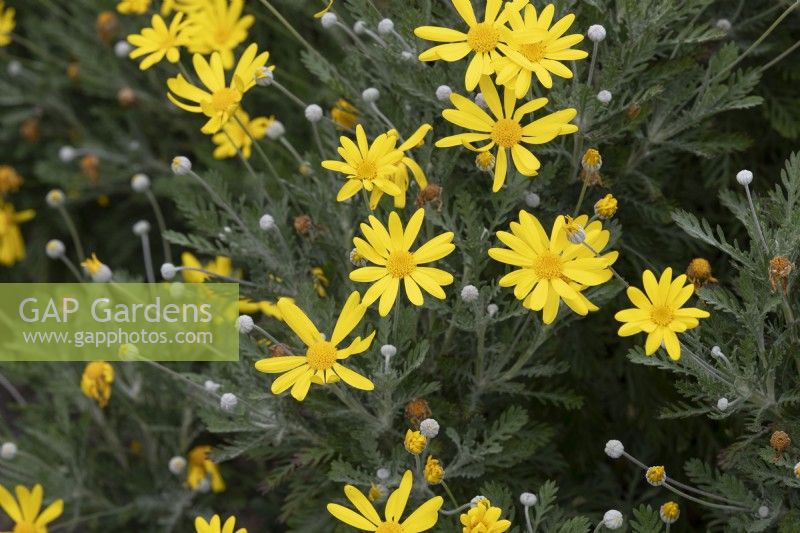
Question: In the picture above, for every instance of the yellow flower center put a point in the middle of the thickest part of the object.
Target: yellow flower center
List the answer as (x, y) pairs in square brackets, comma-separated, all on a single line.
[(483, 37), (400, 264), (389, 527), (547, 266), (224, 99), (321, 356), (367, 170), (24, 527), (662, 315), (221, 35), (534, 51), (506, 132)]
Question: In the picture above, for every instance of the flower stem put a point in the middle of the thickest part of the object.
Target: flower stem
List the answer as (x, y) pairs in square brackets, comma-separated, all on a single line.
[(148, 260), (162, 227), (76, 238), (755, 218), (449, 493)]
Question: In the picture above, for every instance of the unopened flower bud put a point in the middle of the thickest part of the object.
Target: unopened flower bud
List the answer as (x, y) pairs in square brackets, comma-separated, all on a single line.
[(177, 464), (264, 76), (245, 323), (266, 222), (388, 350), (532, 200), (443, 93), (429, 428), (228, 401), (528, 499), (181, 165), (604, 97), (370, 94), (722, 404), (275, 130), (8, 451), (612, 519), (55, 198), (142, 227), (67, 153), (140, 183), (313, 113), (328, 20), (596, 33), (122, 48), (744, 177), (168, 271), (211, 386), (385, 26), (54, 249), (470, 293), (614, 449)]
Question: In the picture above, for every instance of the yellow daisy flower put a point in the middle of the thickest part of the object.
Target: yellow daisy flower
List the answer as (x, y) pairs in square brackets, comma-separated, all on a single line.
[(389, 250), (270, 309), (233, 137), (320, 364), (483, 517), (553, 269), (96, 381), (544, 55), (200, 468), (7, 24), (368, 519), (488, 41), (505, 130), (24, 510), (406, 165), (220, 265), (12, 246), (344, 114), (221, 100), (219, 27), (659, 312), (215, 525), (367, 166), (133, 7), (159, 41)]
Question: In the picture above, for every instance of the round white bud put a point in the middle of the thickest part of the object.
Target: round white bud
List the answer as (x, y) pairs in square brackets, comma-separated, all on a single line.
[(528, 499), (245, 323), (724, 25), (405, 55), (577, 235), (429, 428), (492, 309), (264, 76), (211, 386), (314, 113), (716, 351), (140, 182), (722, 404), (481, 101), (470, 293), (204, 485), (67, 153), (177, 464), (228, 401), (360, 27), (382, 474), (55, 198), (8, 451), (388, 350), (370, 94), (134, 145), (141, 228), (102, 275), (614, 449), (181, 165), (266, 222), (122, 48), (275, 130), (54, 249), (612, 519), (328, 20), (596, 33), (14, 68), (443, 93), (532, 199), (385, 26), (763, 511), (604, 97), (744, 177), (168, 271)]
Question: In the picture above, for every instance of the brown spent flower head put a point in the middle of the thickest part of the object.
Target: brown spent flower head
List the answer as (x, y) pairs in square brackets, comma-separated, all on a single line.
[(699, 272), (126, 97), (10, 181), (779, 270), (279, 350), (29, 129), (432, 194), (106, 26), (780, 441), (633, 111), (303, 224), (417, 410), (90, 167)]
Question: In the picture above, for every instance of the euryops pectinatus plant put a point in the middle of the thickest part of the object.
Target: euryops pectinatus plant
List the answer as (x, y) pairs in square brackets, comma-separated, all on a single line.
[(500, 266)]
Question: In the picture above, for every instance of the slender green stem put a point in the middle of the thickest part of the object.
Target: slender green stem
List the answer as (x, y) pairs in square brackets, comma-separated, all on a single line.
[(593, 64), (581, 197), (72, 268), (162, 226), (449, 494), (148, 260), (780, 57), (215, 275), (289, 94), (528, 524), (242, 158), (703, 502), (755, 218), (73, 231)]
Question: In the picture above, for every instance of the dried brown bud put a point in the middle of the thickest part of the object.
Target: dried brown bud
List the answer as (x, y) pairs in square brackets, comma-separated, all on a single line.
[(432, 194), (90, 167), (126, 97), (779, 269), (780, 441), (303, 224), (633, 111), (74, 71), (279, 350), (106, 26), (29, 129), (10, 181), (417, 410)]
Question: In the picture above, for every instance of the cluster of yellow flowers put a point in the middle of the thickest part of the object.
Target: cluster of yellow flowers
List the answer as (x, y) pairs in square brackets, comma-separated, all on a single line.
[(210, 30), (12, 247), (7, 23)]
